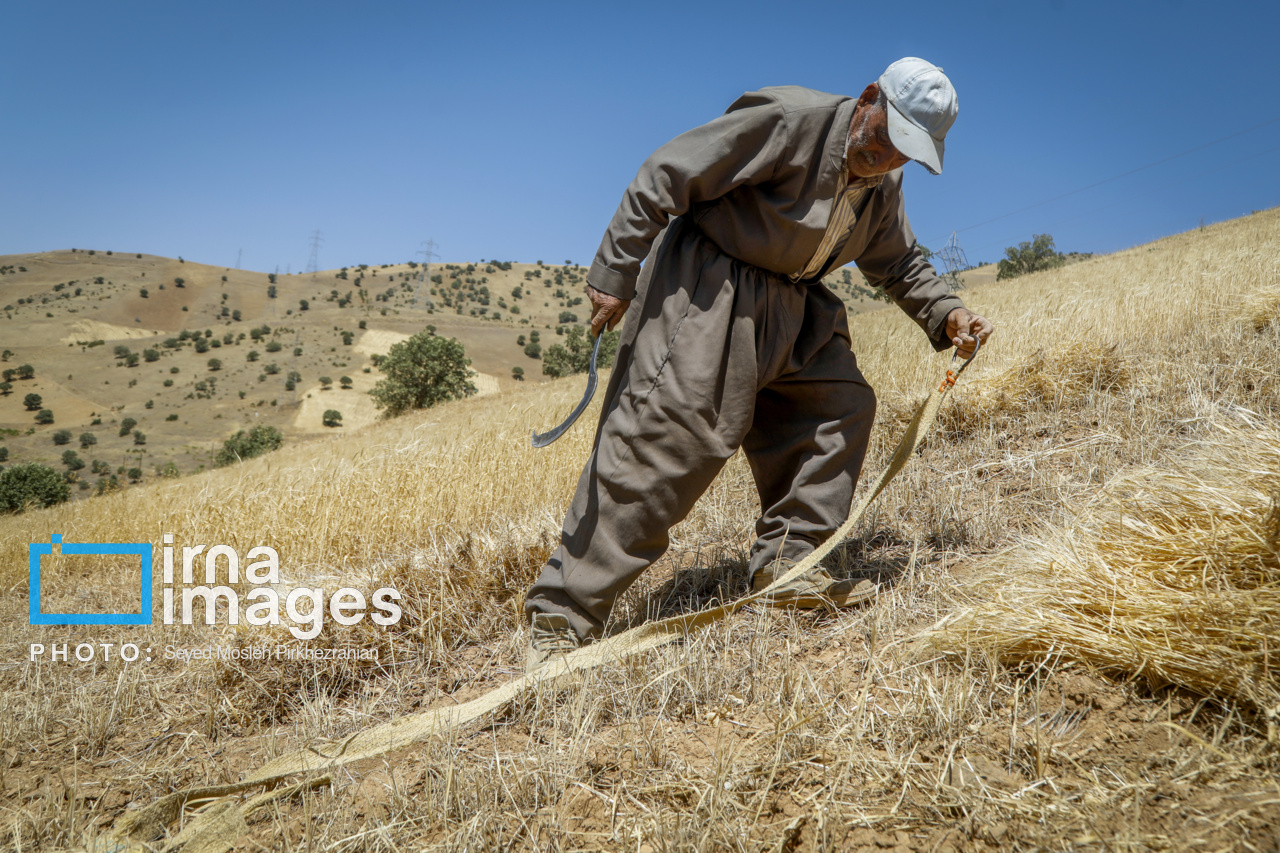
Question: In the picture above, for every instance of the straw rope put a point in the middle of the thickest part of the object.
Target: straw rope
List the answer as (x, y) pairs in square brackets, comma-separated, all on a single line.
[(217, 827)]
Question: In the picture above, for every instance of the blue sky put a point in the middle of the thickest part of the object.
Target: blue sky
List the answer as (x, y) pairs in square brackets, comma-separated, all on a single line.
[(509, 130)]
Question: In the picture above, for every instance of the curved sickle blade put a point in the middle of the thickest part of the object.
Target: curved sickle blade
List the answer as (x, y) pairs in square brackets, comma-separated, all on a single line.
[(543, 439)]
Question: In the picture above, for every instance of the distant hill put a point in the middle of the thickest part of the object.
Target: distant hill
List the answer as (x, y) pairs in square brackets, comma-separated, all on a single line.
[(67, 314)]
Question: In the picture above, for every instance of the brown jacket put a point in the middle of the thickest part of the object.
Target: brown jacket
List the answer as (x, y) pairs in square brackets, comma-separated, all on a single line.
[(760, 181)]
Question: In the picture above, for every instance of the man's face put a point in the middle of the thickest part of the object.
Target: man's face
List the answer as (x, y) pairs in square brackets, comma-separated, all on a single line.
[(870, 151)]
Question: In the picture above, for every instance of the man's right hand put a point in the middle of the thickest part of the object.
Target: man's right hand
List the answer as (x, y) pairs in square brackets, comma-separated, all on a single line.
[(606, 310)]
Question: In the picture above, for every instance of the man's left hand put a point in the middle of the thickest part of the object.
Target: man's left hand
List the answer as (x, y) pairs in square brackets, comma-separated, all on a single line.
[(963, 326)]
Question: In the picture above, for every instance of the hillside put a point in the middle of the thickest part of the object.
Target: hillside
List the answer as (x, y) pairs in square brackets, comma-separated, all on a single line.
[(1071, 649), (72, 315)]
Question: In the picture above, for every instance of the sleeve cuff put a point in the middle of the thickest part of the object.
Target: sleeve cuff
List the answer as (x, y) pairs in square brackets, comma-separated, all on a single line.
[(938, 322), (610, 281)]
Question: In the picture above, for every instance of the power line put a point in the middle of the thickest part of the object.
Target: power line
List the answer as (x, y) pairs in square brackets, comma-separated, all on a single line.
[(1233, 164), (1119, 176)]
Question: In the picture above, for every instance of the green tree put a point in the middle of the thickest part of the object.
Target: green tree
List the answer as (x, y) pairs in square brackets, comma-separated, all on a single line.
[(574, 355), (4, 454), (345, 382), (246, 445), (44, 416), (26, 371), (332, 418), (517, 373), (139, 437), (425, 370), (215, 364), (151, 354), (33, 402), (326, 382), (31, 485), (61, 437), (6, 388), (72, 460), (126, 426), (533, 349), (87, 440), (1029, 256)]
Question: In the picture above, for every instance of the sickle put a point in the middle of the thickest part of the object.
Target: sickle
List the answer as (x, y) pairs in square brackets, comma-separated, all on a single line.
[(543, 439)]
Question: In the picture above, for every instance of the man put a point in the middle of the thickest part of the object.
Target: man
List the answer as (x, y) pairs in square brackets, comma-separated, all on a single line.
[(735, 342)]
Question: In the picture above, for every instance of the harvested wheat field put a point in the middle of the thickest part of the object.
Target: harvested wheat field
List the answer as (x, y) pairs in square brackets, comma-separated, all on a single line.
[(1074, 645)]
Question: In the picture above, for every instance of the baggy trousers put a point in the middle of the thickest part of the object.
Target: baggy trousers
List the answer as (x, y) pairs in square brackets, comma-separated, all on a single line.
[(715, 354)]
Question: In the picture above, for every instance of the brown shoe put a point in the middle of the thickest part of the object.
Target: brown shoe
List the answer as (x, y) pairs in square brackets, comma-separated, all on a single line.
[(815, 588), (551, 637)]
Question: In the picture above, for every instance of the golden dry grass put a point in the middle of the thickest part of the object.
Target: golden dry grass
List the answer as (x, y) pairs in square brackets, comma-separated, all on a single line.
[(1138, 386)]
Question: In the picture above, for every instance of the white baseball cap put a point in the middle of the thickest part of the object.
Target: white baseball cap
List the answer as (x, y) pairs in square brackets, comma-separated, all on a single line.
[(922, 107)]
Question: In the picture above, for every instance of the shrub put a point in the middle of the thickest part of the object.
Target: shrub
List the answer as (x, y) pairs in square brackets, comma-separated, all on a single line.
[(61, 437), (1029, 256), (574, 355), (139, 437), (332, 418), (126, 426), (44, 416), (246, 445), (253, 355), (87, 440), (345, 382), (274, 346), (31, 485), (533, 349), (72, 460), (421, 372), (172, 416), (33, 402), (517, 373), (151, 354)]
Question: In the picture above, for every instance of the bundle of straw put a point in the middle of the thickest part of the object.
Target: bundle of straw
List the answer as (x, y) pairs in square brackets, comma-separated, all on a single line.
[(1170, 575)]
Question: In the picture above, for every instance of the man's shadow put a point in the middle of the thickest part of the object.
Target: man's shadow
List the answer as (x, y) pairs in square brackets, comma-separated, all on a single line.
[(881, 557)]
